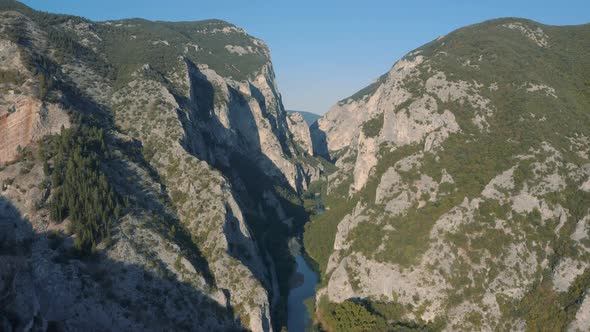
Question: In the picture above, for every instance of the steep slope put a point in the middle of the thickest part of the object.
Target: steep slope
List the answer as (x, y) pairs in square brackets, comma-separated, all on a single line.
[(300, 129), (461, 198), (299, 125), (178, 177)]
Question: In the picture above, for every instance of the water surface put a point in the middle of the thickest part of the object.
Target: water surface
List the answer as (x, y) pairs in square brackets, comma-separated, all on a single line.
[(299, 319)]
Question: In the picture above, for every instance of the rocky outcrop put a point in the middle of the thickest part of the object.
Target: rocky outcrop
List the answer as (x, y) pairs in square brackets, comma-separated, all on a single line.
[(24, 118), (27, 122), (242, 117), (393, 115), (300, 131)]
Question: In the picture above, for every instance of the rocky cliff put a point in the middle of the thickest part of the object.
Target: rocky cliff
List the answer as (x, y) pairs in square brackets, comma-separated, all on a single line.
[(193, 139), (24, 117), (460, 199), (300, 130)]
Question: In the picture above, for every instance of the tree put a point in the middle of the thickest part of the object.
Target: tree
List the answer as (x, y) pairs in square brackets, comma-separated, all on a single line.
[(82, 190)]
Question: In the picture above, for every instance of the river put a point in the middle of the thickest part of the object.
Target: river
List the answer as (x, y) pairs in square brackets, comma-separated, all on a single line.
[(298, 317)]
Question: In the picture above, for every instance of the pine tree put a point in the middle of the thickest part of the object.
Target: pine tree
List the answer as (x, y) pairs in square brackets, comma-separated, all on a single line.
[(82, 190)]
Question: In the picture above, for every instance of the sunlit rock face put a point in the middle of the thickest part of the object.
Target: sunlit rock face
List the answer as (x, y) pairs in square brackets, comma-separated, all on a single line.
[(448, 172)]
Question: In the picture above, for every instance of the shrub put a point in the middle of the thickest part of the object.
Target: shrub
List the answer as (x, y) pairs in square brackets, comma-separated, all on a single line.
[(372, 128)]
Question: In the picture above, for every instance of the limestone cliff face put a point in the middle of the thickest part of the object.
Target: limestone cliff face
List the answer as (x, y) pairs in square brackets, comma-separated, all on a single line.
[(206, 204), (244, 118), (28, 121), (449, 168), (24, 118), (387, 112), (199, 142), (300, 131), (340, 127)]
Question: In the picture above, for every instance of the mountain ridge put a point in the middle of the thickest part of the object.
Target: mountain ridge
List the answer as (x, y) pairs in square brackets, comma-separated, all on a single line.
[(178, 135), (430, 164), (151, 179)]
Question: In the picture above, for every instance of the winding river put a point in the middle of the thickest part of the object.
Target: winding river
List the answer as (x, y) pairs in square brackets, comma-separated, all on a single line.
[(298, 317)]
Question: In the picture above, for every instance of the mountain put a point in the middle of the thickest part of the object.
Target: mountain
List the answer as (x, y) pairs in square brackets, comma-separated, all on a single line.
[(461, 194), (309, 117), (149, 180), (299, 124)]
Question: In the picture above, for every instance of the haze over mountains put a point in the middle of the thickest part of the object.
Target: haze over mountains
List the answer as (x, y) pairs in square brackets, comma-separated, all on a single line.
[(151, 179)]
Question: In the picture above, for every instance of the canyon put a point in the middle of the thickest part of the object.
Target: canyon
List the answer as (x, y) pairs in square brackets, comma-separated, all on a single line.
[(451, 194)]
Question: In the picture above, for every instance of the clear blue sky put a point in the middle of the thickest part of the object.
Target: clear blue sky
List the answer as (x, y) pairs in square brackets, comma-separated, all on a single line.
[(324, 51)]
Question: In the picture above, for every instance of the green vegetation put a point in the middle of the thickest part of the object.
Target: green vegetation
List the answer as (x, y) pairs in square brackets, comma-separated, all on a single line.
[(320, 231), (81, 189), (373, 127), (410, 240), (63, 42), (160, 44), (11, 77), (544, 309), (351, 316)]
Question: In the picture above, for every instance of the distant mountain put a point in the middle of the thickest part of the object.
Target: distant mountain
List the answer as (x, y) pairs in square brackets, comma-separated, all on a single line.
[(309, 117)]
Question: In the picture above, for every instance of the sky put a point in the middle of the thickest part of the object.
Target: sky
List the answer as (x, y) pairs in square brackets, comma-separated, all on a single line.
[(324, 51)]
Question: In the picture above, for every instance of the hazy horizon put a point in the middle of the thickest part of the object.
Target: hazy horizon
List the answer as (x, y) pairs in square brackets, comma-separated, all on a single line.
[(325, 52)]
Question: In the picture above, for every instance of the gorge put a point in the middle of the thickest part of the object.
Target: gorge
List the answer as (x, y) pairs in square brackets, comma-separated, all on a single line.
[(151, 179)]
